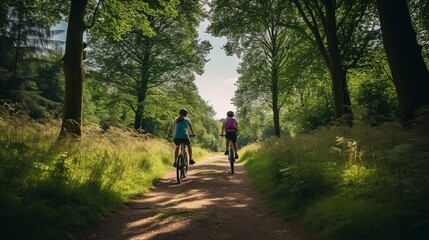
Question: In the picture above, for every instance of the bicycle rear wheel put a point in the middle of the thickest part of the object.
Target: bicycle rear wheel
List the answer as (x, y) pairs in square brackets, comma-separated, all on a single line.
[(184, 166), (179, 169), (231, 158)]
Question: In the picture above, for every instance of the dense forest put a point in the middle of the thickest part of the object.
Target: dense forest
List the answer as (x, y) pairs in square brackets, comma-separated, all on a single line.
[(332, 100), (307, 64)]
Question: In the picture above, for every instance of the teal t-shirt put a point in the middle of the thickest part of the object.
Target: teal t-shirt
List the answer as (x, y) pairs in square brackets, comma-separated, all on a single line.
[(181, 130)]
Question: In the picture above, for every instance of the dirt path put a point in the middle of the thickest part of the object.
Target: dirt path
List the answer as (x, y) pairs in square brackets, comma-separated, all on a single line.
[(210, 204)]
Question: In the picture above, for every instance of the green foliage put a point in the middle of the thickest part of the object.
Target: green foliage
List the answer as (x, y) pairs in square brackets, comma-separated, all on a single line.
[(143, 69), (311, 113), (373, 92), (378, 97), (255, 124), (50, 82), (109, 108), (343, 217), (49, 190), (420, 18), (310, 117), (104, 106), (258, 32), (348, 183), (133, 14), (29, 75), (39, 95)]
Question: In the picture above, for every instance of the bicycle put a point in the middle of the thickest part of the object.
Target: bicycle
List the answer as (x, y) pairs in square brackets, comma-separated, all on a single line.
[(231, 155), (182, 163)]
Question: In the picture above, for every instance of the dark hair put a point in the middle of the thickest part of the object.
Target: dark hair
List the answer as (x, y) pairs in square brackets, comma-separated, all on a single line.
[(230, 114), (183, 112)]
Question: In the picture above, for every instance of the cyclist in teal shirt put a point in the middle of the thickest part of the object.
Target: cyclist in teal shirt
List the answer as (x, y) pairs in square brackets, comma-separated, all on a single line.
[(180, 134)]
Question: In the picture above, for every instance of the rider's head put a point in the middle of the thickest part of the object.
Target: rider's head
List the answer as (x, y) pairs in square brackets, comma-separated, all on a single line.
[(183, 112), (230, 114)]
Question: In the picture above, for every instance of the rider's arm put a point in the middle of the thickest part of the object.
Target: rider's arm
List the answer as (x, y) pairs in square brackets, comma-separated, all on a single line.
[(222, 129), (192, 130), (173, 129)]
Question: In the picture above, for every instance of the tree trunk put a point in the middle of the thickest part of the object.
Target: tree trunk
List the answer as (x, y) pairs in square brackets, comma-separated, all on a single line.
[(336, 69), (347, 117), (275, 99), (276, 115), (139, 113), (144, 83), (18, 46), (141, 96), (331, 55), (347, 101), (73, 71), (409, 71)]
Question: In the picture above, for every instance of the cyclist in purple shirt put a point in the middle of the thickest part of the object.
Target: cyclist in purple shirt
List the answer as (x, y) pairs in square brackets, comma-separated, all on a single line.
[(180, 134), (230, 126)]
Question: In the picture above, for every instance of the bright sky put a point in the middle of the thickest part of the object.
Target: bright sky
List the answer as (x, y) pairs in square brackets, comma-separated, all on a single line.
[(216, 85)]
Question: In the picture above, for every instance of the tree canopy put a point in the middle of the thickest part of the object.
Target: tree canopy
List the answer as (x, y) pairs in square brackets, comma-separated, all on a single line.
[(304, 64)]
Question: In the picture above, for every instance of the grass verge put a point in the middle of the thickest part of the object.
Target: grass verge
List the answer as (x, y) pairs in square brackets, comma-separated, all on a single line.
[(49, 190), (348, 183)]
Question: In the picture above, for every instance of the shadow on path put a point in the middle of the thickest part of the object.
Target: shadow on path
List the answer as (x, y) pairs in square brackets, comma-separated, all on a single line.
[(211, 203)]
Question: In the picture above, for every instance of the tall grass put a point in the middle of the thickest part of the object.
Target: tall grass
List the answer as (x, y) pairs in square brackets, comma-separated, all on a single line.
[(348, 183), (50, 189)]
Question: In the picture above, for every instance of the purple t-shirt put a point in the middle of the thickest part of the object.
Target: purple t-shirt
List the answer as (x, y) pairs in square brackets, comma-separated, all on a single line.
[(231, 124)]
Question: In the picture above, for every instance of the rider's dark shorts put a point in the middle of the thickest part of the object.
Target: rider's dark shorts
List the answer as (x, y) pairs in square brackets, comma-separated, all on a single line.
[(231, 136), (177, 141)]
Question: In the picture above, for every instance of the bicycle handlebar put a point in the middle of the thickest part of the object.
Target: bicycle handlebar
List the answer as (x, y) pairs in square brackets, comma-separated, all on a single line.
[(190, 135), (223, 135)]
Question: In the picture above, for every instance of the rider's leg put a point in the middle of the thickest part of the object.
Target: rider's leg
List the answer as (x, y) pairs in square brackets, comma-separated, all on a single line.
[(190, 151), (235, 149), (234, 140), (235, 146), (191, 161), (176, 153), (226, 147)]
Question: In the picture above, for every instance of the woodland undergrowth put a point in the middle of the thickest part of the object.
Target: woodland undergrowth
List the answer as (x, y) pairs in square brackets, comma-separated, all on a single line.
[(50, 189), (348, 183)]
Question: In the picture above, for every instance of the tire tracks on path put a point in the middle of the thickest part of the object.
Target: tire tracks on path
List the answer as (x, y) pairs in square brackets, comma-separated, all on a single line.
[(211, 203)]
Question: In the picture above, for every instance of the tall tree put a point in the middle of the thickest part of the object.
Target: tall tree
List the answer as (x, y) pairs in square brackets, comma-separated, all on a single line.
[(25, 45), (256, 29), (409, 71), (121, 16), (25, 37), (138, 63), (73, 70), (333, 25)]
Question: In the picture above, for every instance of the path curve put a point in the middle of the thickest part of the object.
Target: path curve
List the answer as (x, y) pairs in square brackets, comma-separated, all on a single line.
[(211, 203)]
